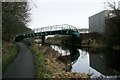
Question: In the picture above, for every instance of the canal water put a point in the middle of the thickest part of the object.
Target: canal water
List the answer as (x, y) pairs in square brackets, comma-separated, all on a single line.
[(99, 62)]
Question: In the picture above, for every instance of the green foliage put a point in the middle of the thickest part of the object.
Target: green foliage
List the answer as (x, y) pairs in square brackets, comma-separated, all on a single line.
[(15, 16)]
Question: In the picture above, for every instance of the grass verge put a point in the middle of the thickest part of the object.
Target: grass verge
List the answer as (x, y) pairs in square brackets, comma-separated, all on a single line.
[(44, 67), (48, 66), (9, 52)]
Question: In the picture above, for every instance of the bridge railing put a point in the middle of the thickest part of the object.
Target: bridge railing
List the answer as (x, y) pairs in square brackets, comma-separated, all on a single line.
[(64, 29), (55, 27)]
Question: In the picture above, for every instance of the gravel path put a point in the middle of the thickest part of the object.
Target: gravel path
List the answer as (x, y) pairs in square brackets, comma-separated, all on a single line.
[(23, 66)]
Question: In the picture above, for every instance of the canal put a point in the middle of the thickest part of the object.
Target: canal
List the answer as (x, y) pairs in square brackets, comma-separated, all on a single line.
[(98, 62)]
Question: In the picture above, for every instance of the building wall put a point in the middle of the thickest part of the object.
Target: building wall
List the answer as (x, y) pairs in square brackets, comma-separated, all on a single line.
[(97, 22)]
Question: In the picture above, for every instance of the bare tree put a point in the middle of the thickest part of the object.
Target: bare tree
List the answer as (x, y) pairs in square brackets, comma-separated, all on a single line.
[(113, 24)]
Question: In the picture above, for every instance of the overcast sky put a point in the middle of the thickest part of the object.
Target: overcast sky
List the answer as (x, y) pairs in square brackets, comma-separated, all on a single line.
[(74, 12)]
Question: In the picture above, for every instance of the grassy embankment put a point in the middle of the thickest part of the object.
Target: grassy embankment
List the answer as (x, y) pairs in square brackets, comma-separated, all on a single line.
[(48, 66), (9, 52), (44, 67)]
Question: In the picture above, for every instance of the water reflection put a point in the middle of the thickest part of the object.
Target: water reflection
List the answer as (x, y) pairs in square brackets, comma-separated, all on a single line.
[(62, 50), (99, 62), (106, 62), (82, 65), (74, 55)]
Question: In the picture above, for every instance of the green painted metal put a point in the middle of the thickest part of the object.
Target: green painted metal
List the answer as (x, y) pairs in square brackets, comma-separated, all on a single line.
[(72, 31)]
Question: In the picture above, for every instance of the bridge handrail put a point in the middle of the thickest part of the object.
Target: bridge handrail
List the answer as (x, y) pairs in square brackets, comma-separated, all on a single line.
[(51, 28), (55, 27)]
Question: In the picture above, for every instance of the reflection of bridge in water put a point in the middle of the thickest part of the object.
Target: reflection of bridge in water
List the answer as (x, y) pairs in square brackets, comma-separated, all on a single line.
[(63, 29)]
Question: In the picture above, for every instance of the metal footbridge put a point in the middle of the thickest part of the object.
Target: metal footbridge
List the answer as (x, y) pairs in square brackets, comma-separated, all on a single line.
[(63, 29)]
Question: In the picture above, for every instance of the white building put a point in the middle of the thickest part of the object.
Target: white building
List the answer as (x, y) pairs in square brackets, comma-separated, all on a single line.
[(97, 22)]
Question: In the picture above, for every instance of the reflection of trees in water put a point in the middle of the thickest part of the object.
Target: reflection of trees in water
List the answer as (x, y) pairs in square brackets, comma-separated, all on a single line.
[(105, 61), (69, 60), (74, 53), (112, 59)]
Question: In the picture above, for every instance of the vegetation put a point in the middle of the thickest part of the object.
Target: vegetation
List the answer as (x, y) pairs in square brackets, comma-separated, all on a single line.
[(64, 39), (44, 67), (9, 52), (113, 25), (96, 40), (111, 38), (15, 16), (48, 65)]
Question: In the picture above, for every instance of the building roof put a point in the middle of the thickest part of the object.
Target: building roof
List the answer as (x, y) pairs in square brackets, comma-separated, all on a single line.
[(100, 12)]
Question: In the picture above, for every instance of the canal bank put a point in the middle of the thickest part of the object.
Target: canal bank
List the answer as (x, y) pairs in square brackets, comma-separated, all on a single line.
[(49, 65), (94, 64), (101, 62)]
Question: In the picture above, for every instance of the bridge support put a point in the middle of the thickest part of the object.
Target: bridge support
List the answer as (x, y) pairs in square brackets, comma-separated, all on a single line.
[(43, 40)]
